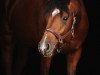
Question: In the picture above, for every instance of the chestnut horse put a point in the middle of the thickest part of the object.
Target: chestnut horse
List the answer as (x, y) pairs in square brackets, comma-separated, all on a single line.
[(23, 22), (65, 32)]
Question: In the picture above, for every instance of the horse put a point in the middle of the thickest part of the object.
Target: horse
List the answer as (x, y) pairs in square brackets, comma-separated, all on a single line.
[(24, 22), (19, 31), (65, 32)]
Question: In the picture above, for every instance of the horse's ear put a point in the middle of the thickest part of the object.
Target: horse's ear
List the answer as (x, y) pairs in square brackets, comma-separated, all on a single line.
[(74, 5), (70, 5)]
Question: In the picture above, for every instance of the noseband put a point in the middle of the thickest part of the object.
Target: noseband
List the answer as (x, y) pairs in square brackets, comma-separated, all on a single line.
[(61, 38)]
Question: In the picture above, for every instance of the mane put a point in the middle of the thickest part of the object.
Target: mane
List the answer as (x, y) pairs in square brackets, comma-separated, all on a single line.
[(59, 4)]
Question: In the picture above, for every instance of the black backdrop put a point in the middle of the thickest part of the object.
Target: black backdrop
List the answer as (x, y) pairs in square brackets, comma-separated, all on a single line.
[(92, 53), (90, 61)]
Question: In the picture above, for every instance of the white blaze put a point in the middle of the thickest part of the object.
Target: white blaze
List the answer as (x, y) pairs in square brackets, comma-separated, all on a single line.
[(43, 45), (55, 12)]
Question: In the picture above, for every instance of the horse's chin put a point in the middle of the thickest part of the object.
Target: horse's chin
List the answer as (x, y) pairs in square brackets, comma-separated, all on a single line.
[(49, 53)]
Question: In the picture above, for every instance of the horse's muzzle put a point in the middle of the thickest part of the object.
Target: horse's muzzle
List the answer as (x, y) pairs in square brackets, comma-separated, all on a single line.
[(45, 49)]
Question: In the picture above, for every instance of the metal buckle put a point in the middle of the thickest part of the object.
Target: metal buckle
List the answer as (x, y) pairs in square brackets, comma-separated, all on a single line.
[(60, 41)]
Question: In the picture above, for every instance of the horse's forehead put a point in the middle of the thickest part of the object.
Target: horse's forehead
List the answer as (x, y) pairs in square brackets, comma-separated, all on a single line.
[(55, 12)]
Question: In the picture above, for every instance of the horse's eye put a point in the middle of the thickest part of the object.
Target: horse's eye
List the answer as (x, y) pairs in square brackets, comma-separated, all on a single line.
[(65, 18)]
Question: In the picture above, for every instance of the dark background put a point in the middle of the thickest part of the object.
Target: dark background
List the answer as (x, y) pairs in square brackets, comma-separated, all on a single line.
[(89, 63)]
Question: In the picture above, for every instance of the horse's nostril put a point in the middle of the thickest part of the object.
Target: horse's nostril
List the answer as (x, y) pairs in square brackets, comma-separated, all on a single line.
[(48, 46), (45, 49)]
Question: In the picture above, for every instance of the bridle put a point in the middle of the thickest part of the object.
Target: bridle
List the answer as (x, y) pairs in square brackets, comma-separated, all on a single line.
[(61, 38)]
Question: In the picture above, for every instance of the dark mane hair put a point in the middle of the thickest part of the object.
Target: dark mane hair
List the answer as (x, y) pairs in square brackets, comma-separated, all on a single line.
[(60, 4)]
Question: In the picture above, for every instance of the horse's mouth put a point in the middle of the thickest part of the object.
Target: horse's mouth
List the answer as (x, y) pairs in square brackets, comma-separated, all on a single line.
[(47, 53)]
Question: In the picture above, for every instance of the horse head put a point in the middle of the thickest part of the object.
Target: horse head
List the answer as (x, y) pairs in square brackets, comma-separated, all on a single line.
[(61, 18)]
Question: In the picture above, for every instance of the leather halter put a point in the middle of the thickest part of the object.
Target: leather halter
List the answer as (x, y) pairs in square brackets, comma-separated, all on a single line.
[(61, 38)]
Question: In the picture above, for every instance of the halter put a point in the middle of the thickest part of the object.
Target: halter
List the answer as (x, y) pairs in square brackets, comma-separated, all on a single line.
[(61, 38)]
